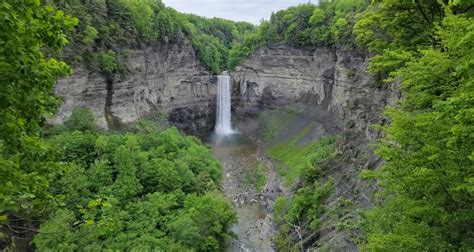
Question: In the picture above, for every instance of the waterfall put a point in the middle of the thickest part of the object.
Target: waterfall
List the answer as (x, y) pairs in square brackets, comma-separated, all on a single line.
[(223, 119)]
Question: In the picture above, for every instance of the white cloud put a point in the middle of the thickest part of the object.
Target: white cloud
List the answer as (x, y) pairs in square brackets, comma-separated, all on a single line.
[(238, 10)]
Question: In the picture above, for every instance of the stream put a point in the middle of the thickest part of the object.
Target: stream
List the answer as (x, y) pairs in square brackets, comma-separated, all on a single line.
[(239, 157)]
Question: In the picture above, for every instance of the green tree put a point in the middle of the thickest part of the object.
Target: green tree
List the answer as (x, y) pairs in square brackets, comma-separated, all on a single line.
[(427, 199), (90, 34), (330, 23), (30, 35), (107, 61), (136, 191), (81, 119), (106, 25), (142, 16), (397, 28)]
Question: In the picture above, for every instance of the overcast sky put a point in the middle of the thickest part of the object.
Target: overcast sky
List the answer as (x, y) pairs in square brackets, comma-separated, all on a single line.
[(239, 10)]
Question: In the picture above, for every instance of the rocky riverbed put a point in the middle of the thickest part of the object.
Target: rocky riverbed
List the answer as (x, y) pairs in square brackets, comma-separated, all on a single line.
[(239, 157)]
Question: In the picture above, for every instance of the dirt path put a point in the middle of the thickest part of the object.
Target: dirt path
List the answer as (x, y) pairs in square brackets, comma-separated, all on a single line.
[(255, 228)]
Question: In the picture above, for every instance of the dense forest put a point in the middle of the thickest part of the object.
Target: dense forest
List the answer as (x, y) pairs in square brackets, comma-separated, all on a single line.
[(106, 29), (76, 187), (116, 182), (329, 23)]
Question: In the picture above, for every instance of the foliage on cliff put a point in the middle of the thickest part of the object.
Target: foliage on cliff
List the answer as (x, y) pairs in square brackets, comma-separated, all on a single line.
[(427, 197), (329, 23), (108, 29), (213, 38), (428, 194)]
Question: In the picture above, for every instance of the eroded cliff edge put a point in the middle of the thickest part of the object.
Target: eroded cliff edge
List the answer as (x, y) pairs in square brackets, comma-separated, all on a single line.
[(343, 99), (167, 79)]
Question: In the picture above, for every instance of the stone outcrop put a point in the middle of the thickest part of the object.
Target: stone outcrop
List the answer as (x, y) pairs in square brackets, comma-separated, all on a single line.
[(343, 97), (168, 79), (274, 77)]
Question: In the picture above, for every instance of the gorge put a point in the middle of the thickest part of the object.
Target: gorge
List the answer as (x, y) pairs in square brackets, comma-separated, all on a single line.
[(333, 86), (345, 125)]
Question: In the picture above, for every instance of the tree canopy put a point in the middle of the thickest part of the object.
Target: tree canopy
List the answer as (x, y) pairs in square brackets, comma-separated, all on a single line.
[(306, 25), (141, 191), (428, 177), (107, 27)]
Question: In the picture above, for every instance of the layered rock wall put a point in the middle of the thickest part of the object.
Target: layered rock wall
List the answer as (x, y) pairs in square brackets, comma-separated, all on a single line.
[(167, 79), (334, 79)]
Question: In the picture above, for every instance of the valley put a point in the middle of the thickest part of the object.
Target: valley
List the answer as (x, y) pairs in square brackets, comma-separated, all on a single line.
[(342, 125)]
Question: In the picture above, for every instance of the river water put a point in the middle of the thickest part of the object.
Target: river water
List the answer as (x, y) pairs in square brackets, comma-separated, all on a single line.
[(239, 156)]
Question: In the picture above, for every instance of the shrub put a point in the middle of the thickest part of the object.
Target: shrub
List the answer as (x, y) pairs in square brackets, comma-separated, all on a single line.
[(82, 119)]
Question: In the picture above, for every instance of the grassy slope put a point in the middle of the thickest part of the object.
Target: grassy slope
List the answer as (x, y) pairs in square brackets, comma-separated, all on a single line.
[(273, 121), (257, 177), (294, 157), (290, 155)]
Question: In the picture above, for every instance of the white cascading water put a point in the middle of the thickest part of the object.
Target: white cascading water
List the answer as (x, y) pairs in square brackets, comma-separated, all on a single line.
[(223, 119)]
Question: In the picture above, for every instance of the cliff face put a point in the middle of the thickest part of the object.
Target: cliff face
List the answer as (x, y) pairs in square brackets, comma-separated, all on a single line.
[(342, 97), (334, 79), (166, 79)]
